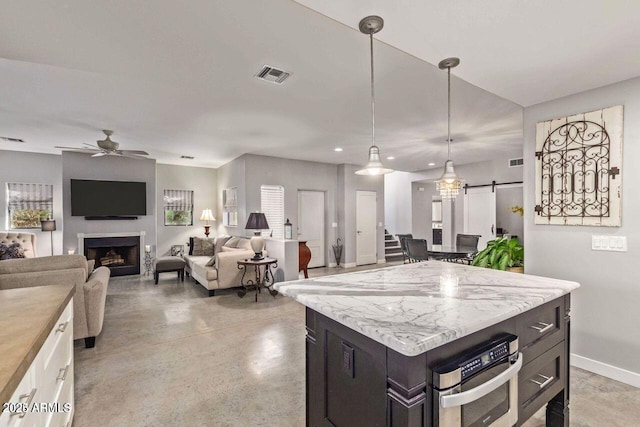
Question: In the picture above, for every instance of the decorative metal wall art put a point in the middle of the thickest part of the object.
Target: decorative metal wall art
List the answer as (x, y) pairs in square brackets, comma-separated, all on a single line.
[(578, 163)]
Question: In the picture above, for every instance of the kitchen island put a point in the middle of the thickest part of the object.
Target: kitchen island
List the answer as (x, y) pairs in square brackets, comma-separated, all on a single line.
[(380, 341)]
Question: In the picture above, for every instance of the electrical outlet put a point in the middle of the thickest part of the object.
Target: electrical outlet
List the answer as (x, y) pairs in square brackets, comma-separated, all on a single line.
[(609, 243)]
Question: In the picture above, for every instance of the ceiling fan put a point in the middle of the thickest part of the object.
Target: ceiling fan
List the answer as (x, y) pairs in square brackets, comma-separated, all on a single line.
[(108, 147)]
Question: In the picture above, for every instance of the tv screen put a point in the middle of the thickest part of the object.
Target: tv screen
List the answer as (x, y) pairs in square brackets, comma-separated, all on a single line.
[(108, 198)]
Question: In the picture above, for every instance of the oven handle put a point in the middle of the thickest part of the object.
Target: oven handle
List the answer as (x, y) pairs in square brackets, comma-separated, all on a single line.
[(476, 393)]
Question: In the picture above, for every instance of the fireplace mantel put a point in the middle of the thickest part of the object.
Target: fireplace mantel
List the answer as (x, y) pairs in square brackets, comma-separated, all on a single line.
[(82, 236)]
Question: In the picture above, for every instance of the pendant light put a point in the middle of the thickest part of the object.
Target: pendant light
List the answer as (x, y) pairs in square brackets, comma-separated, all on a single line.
[(371, 25), (449, 183)]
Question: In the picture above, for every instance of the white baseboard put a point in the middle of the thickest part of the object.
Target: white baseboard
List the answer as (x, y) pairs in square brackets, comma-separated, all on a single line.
[(349, 265), (382, 261), (609, 371)]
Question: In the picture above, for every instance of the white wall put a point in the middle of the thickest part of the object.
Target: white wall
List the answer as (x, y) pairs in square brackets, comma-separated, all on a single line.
[(605, 314), (293, 175), (83, 166), (203, 183), (34, 168), (397, 206)]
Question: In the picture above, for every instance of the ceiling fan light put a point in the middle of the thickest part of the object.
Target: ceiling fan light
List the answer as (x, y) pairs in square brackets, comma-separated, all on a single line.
[(374, 166)]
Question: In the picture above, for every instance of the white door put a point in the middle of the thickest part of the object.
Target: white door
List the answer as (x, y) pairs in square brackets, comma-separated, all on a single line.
[(480, 214), (366, 239), (311, 224)]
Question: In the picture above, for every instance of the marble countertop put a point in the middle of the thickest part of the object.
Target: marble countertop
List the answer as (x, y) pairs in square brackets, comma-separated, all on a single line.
[(414, 308), (27, 316)]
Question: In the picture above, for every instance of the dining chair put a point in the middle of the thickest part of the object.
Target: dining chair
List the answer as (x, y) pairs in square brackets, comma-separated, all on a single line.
[(417, 249), (403, 246), (467, 242)]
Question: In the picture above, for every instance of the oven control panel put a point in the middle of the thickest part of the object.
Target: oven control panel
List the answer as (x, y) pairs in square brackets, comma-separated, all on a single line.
[(484, 359)]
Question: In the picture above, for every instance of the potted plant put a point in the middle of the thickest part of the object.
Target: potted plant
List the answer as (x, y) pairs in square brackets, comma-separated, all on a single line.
[(501, 254)]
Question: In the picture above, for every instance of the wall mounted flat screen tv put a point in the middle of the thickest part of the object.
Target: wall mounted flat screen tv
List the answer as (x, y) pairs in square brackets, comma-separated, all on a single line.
[(108, 198)]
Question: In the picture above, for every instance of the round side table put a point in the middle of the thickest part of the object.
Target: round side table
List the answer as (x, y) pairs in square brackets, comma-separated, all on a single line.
[(263, 275)]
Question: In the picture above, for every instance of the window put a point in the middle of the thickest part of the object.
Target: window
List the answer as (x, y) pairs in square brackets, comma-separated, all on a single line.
[(28, 204), (272, 205), (178, 207), (230, 207)]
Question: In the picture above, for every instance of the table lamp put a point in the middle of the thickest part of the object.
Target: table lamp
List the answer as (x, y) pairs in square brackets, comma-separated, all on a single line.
[(207, 216), (257, 221), (49, 225)]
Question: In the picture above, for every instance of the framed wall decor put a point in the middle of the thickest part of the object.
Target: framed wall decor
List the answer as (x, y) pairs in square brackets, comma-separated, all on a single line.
[(578, 169)]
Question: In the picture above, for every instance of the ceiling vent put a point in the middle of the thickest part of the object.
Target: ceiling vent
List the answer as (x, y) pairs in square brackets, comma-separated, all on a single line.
[(516, 163), (272, 75), (187, 157), (6, 138)]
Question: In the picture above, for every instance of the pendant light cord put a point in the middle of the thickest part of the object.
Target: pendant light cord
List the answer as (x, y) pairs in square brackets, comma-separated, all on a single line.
[(449, 112), (373, 96)]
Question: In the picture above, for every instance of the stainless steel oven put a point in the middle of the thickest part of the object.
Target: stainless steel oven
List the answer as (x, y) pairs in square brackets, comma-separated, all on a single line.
[(479, 388)]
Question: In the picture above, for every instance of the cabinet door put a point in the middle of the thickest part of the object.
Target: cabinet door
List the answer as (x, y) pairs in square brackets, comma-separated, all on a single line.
[(18, 413)]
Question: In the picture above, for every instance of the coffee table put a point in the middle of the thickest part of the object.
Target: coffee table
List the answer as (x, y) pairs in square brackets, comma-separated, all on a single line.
[(263, 275)]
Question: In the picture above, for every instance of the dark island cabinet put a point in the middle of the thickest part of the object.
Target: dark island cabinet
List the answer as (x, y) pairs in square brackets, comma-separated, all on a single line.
[(353, 380)]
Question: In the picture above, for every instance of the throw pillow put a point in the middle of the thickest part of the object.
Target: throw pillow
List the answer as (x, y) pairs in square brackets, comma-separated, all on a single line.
[(211, 262), (11, 252), (233, 242), (202, 247), (220, 242)]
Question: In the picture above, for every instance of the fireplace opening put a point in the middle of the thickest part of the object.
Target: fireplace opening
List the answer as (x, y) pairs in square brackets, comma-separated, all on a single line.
[(120, 254)]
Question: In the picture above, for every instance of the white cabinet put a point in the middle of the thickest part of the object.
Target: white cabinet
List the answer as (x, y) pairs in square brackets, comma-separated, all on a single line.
[(44, 397)]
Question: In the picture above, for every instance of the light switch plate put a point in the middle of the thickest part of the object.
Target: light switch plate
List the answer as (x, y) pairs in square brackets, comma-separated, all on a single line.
[(609, 243), (334, 225)]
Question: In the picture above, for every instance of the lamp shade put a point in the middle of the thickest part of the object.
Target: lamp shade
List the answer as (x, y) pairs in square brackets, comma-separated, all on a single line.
[(48, 225), (257, 221), (207, 215), (374, 166)]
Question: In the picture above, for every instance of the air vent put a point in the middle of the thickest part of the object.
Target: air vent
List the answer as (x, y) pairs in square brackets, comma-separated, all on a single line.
[(187, 157), (6, 138), (516, 163), (272, 75)]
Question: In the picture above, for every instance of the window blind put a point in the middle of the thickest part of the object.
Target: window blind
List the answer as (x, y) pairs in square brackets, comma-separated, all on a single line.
[(230, 207), (22, 196), (272, 205), (178, 200)]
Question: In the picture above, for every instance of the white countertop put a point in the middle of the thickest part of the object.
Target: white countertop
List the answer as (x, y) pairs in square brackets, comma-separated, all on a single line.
[(416, 307)]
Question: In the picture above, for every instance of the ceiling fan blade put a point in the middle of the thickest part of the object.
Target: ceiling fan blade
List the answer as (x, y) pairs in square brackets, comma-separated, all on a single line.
[(100, 154), (78, 149), (134, 156), (138, 152), (91, 145)]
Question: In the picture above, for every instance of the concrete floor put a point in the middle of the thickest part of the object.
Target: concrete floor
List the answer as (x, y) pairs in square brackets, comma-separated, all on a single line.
[(170, 356)]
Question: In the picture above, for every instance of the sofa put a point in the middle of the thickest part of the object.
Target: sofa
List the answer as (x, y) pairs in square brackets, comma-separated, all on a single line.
[(91, 286), (27, 241), (224, 272)]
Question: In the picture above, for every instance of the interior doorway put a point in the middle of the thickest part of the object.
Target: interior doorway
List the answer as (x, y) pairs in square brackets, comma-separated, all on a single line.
[(311, 224), (366, 236)]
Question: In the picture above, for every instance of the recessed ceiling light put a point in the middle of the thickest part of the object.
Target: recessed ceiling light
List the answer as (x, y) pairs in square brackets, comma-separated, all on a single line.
[(338, 149), (187, 157), (390, 158), (432, 164)]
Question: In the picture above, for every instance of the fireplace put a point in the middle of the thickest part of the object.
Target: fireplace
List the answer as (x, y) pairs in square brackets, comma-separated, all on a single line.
[(120, 254)]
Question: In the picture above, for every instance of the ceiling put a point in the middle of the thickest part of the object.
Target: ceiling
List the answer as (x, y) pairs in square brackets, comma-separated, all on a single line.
[(177, 79), (527, 51)]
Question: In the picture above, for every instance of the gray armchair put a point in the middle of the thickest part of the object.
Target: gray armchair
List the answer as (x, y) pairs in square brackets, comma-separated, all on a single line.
[(91, 287)]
